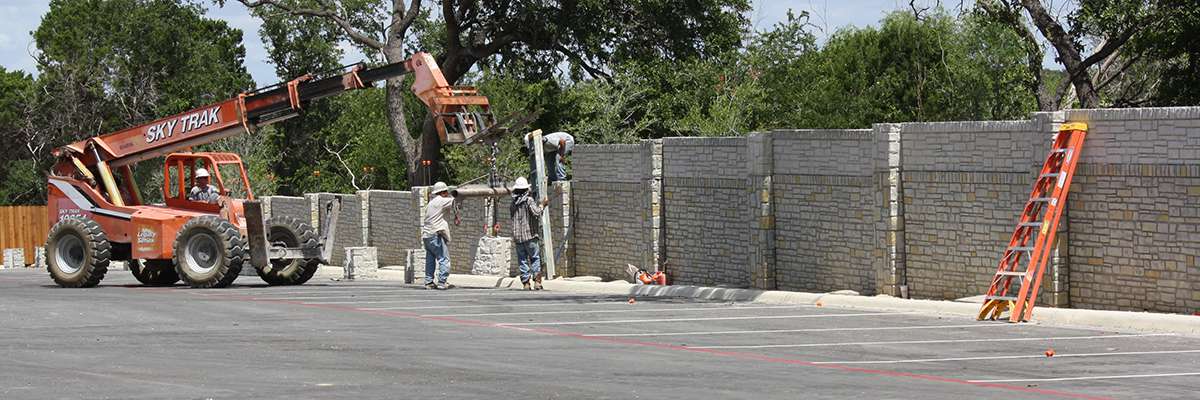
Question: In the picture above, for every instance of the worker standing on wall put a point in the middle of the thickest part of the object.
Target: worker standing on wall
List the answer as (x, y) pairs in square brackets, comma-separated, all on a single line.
[(557, 146), (524, 220), (435, 234)]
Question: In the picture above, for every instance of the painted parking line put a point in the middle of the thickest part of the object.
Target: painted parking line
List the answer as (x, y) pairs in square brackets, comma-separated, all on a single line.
[(635, 321), (777, 346), (1084, 378), (1059, 355), (606, 303), (756, 332), (419, 294), (631, 310)]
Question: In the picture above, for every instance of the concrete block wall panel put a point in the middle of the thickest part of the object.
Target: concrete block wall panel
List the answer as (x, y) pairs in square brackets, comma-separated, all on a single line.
[(964, 185), (464, 238), (708, 210), (610, 208), (825, 216), (560, 195), (392, 224), (1134, 211), (349, 224), (295, 207)]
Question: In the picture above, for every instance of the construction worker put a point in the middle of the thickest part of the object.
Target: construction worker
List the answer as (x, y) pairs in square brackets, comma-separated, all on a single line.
[(203, 191), (435, 233), (557, 146), (525, 212)]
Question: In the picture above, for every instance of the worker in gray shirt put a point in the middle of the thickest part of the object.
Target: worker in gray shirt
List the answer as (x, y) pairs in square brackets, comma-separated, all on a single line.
[(203, 192), (557, 146), (435, 235)]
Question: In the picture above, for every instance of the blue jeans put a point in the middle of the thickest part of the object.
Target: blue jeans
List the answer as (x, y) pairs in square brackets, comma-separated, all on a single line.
[(528, 259), (436, 254), (556, 169)]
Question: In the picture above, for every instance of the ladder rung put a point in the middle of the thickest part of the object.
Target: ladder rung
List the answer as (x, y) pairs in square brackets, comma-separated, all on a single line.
[(1006, 298), (1050, 175), (1042, 199), (1010, 273), (1062, 150), (1021, 248), (1030, 224)]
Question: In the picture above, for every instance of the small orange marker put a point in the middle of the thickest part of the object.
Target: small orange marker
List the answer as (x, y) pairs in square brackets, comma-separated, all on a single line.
[(632, 301), (1049, 352), (820, 304)]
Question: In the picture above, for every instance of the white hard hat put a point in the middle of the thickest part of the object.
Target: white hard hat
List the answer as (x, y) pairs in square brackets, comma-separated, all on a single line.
[(440, 187), (521, 183), (201, 173)]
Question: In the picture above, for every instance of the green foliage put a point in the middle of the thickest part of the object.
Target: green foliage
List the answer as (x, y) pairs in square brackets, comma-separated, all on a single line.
[(1172, 41)]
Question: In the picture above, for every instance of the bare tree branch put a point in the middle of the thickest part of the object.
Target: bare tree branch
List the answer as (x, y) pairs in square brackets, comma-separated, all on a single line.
[(327, 13), (338, 154)]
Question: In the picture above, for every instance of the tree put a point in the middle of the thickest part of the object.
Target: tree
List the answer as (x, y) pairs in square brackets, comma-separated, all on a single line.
[(108, 64), (19, 178), (1106, 25), (535, 37)]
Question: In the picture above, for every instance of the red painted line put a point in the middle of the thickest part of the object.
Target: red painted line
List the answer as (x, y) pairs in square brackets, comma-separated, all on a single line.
[(665, 346)]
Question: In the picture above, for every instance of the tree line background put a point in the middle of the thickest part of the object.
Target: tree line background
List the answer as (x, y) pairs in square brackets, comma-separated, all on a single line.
[(608, 71)]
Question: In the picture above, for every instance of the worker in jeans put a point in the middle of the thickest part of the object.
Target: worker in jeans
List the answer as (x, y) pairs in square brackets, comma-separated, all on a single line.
[(556, 147), (525, 212), (435, 233)]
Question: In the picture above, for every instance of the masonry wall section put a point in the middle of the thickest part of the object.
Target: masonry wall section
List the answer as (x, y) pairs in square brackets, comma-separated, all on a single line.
[(610, 205), (708, 210), (965, 184), (1134, 211), (825, 210), (391, 224)]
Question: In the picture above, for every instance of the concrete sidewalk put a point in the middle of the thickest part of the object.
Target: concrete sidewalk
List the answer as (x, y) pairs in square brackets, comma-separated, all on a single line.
[(1120, 321)]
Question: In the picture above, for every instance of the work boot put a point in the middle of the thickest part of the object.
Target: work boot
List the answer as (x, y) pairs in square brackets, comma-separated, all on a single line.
[(525, 285), (537, 283), (430, 286)]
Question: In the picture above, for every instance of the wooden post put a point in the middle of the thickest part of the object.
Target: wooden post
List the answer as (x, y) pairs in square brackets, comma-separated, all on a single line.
[(543, 193)]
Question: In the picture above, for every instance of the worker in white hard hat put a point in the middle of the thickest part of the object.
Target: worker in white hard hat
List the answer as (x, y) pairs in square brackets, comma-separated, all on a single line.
[(203, 191), (435, 234), (525, 213)]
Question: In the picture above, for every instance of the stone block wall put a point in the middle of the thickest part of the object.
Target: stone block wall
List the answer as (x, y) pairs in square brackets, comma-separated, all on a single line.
[(825, 211), (964, 185), (1134, 211), (708, 210), (295, 207), (391, 223), (610, 209)]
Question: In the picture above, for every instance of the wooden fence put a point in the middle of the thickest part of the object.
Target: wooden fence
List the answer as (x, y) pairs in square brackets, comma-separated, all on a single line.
[(23, 227)]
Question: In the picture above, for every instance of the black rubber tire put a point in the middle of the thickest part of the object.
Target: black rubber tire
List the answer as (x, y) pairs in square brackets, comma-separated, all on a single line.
[(218, 244), (291, 233), (77, 252), (154, 272)]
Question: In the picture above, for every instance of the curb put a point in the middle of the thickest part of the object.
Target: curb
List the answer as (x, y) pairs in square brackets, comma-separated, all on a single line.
[(1120, 321)]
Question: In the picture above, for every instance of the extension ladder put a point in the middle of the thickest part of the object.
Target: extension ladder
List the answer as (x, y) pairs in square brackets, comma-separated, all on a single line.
[(1032, 241)]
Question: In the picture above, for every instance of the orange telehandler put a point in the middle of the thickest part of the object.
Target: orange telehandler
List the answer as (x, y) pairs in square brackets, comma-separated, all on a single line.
[(97, 213)]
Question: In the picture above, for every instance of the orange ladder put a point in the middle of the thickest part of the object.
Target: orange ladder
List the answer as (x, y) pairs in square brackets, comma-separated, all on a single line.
[(1031, 241)]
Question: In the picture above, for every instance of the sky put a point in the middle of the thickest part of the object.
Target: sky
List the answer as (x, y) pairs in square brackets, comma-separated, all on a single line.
[(20, 17)]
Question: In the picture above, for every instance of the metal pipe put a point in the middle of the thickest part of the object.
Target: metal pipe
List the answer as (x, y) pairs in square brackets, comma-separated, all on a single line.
[(479, 191)]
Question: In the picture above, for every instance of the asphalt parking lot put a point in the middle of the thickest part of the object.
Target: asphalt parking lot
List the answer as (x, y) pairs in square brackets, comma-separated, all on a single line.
[(386, 340)]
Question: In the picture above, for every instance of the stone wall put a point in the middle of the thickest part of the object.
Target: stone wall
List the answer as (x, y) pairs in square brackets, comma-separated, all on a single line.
[(964, 185), (707, 211), (391, 223), (1134, 211), (610, 208), (824, 208)]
